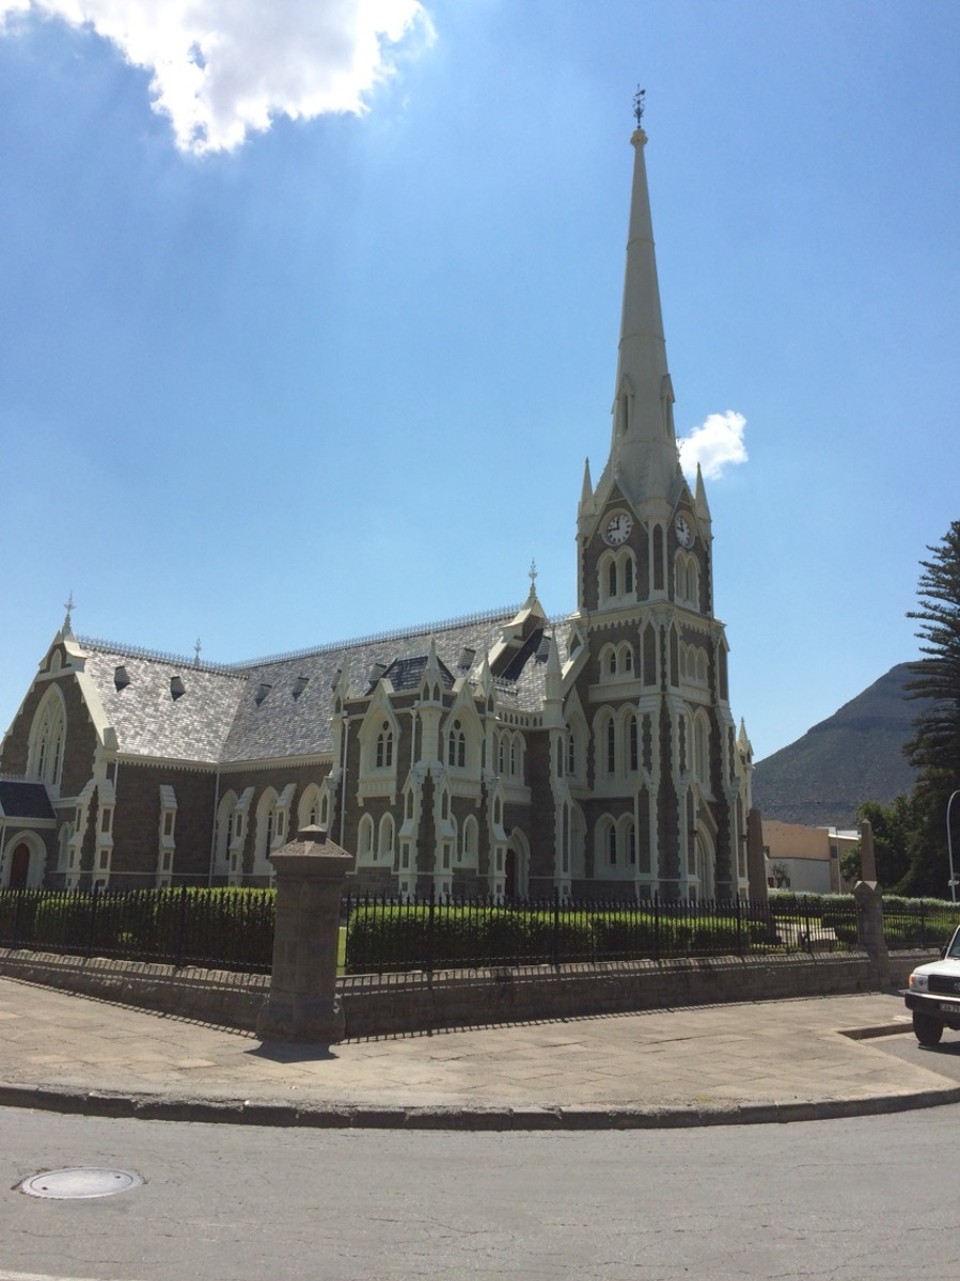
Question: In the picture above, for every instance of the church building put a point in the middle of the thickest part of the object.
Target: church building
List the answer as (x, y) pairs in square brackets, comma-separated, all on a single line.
[(504, 753)]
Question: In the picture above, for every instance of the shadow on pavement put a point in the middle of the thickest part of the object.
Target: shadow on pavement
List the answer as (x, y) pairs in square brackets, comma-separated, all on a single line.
[(282, 1052)]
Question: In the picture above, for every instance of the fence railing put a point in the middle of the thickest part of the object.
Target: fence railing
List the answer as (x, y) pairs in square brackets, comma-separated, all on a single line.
[(233, 928), (386, 934), (918, 923), (227, 929)]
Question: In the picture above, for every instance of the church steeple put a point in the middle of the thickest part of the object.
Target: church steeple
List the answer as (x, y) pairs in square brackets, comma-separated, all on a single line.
[(643, 448)]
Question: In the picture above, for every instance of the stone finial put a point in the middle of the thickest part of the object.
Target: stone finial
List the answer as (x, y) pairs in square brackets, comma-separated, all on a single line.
[(868, 859)]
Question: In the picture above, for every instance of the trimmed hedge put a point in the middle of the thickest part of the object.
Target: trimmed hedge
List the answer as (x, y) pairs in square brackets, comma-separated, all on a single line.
[(229, 927), (402, 936)]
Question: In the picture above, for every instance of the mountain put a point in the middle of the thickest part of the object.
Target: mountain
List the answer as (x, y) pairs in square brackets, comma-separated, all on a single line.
[(855, 755)]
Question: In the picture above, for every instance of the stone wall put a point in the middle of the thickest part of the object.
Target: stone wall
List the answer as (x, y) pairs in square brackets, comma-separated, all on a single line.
[(410, 1003), (213, 996), (510, 996), (136, 824)]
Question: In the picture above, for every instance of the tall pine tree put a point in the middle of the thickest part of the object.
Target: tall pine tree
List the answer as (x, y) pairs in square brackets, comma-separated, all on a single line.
[(934, 749)]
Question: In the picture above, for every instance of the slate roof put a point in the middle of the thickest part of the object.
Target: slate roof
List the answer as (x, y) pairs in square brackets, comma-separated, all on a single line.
[(283, 726), (148, 720), (24, 800), (278, 707), (514, 669), (407, 673)]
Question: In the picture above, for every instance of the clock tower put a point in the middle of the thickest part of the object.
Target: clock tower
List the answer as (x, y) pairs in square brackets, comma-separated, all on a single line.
[(655, 797)]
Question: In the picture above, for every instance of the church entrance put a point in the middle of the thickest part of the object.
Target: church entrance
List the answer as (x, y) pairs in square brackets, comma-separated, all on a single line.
[(704, 865), (20, 867), (516, 866), (510, 874)]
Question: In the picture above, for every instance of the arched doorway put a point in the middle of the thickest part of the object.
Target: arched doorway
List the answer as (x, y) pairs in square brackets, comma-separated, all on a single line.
[(516, 866), (704, 855), (510, 874), (20, 867)]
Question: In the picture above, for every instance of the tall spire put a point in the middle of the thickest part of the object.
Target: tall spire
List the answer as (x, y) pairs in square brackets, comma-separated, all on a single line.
[(643, 450)]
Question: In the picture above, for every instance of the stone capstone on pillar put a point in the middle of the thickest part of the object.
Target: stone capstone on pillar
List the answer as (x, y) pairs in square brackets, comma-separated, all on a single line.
[(303, 1004)]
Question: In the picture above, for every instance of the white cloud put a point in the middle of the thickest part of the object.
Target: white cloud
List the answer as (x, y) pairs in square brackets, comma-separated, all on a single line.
[(716, 445), (221, 68)]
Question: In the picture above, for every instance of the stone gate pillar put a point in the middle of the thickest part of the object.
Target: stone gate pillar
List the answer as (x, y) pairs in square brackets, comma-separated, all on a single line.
[(756, 864), (869, 900), (303, 1004)]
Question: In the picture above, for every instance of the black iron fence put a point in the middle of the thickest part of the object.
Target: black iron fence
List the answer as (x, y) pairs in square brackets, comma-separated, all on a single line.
[(233, 928), (384, 934), (221, 928), (918, 923)]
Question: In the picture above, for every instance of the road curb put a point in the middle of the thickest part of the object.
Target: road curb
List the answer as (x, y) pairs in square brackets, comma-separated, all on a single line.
[(357, 1116)]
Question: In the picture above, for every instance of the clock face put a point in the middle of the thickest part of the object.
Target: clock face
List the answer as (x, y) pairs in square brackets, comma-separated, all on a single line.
[(617, 529), (685, 534)]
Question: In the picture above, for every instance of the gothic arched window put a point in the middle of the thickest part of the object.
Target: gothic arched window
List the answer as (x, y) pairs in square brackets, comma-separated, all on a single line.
[(457, 746), (470, 845), (47, 735), (365, 850), (384, 756), (701, 750), (385, 839), (631, 833)]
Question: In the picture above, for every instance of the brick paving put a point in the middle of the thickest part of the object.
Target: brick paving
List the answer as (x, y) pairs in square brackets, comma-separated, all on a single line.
[(708, 1064)]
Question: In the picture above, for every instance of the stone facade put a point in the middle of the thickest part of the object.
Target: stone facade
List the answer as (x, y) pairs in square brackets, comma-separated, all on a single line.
[(505, 753)]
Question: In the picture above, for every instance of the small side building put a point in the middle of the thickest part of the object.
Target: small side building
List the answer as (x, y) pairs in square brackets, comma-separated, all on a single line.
[(805, 859)]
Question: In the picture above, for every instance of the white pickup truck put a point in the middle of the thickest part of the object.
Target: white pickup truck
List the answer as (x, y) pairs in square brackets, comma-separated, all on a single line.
[(932, 994)]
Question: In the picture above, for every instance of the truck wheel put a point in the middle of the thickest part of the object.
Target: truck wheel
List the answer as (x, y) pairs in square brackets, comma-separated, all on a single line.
[(928, 1031)]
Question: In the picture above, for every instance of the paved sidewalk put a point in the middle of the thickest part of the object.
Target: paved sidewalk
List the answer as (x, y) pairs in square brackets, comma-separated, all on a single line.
[(764, 1061)]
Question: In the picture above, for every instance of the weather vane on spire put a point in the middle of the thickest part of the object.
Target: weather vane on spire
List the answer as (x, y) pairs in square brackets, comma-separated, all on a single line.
[(532, 575), (638, 104), (69, 606)]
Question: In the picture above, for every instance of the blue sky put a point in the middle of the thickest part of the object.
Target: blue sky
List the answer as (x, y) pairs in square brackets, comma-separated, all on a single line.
[(284, 386)]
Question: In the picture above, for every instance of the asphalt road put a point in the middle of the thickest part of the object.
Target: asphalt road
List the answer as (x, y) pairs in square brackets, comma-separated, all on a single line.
[(943, 1058), (845, 1200)]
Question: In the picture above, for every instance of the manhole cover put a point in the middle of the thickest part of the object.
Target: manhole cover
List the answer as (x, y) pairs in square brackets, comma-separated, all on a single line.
[(79, 1182)]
